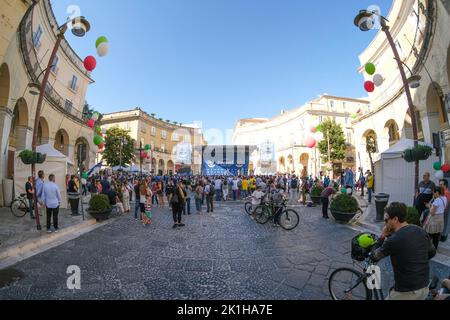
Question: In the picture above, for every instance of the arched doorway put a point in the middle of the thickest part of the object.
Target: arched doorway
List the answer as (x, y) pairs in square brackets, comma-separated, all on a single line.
[(407, 126), (82, 153), (4, 85), (391, 130), (161, 167), (304, 162), (282, 165), (436, 113), (43, 132), (62, 142), (290, 164), (170, 167), (19, 126)]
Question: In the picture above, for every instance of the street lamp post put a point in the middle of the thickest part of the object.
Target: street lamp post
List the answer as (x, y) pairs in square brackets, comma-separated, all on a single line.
[(365, 21), (79, 28)]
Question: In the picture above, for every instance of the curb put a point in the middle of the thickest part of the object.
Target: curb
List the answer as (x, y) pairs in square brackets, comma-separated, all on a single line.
[(29, 248)]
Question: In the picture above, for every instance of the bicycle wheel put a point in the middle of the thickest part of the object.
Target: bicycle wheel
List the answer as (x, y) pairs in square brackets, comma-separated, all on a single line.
[(289, 219), (261, 215), (348, 284), (19, 208), (248, 208)]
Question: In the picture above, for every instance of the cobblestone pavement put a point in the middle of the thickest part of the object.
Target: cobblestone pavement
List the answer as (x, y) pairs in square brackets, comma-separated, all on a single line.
[(224, 255)]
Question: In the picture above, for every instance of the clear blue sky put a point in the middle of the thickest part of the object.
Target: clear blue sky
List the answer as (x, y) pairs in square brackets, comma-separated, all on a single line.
[(221, 60)]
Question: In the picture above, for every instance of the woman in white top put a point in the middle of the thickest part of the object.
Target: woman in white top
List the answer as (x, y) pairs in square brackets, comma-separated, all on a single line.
[(434, 225)]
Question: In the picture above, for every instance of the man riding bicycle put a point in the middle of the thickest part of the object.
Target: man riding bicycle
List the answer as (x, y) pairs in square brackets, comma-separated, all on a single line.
[(410, 249), (278, 198)]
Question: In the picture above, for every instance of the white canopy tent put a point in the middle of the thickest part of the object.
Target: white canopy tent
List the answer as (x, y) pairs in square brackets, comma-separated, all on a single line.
[(395, 176), (56, 163)]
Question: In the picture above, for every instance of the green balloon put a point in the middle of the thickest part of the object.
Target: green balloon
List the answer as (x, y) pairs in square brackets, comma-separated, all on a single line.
[(98, 140), (319, 128), (370, 68), (148, 147), (85, 175), (100, 41), (437, 166), (98, 130), (344, 190)]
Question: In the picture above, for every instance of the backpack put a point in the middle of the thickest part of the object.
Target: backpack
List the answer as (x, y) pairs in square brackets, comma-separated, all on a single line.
[(212, 192), (294, 184)]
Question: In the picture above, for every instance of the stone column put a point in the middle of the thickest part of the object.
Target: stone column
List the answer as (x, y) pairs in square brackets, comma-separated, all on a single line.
[(5, 127)]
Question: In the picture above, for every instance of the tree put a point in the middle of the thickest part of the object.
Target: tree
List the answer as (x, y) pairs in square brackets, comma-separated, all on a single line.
[(333, 132), (119, 147)]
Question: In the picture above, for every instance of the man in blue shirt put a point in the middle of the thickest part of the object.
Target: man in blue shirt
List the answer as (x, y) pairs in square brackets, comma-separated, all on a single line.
[(40, 186), (51, 196)]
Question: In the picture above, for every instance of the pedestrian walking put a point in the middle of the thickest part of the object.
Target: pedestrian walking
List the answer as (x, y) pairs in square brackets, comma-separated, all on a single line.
[(434, 223), (293, 190), (126, 197), (187, 190), (148, 215), (51, 196), (137, 199), (73, 195), (30, 194), (198, 197), (225, 190), (178, 203), (160, 192), (209, 193)]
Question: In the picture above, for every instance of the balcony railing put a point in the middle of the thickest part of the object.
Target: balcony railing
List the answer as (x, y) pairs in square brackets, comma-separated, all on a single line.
[(34, 69)]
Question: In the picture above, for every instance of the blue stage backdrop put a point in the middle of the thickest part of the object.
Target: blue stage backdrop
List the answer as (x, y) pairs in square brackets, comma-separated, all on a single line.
[(226, 160)]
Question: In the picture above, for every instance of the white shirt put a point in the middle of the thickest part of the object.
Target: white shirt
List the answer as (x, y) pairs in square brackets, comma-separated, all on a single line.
[(218, 184), (235, 184), (256, 197), (440, 203), (51, 195)]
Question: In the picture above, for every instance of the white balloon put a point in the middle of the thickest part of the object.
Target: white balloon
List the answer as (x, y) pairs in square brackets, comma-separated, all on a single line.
[(318, 136), (440, 175), (378, 80), (103, 130), (103, 49), (95, 116)]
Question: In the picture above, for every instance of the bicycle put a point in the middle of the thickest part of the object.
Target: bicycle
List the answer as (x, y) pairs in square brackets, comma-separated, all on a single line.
[(289, 218), (19, 206)]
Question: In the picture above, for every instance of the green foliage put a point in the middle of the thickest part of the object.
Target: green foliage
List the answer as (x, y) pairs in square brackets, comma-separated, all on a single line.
[(420, 152), (316, 191), (345, 203), (115, 147), (99, 203), (29, 157), (334, 132), (413, 216)]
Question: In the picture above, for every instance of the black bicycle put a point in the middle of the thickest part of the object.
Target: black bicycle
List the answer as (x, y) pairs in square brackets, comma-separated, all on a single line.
[(289, 218)]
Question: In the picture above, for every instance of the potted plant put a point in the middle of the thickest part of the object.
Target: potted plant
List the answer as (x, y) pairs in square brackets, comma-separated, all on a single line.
[(99, 207), (419, 152), (413, 216), (344, 207), (315, 194), (40, 158), (29, 157)]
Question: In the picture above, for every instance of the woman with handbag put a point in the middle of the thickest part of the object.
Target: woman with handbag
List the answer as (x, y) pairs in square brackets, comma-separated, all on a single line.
[(434, 223)]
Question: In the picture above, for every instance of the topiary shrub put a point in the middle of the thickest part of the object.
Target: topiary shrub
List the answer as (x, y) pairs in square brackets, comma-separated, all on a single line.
[(99, 203), (316, 191), (413, 216), (345, 203)]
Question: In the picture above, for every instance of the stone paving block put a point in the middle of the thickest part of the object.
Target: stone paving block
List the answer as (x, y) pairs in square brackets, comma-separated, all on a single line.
[(199, 265)]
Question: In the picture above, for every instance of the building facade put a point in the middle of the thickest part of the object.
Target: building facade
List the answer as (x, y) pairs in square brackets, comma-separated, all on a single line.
[(29, 33), (281, 140), (173, 144), (420, 30)]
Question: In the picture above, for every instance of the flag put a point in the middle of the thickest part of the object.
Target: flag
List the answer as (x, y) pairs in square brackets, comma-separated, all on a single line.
[(95, 169)]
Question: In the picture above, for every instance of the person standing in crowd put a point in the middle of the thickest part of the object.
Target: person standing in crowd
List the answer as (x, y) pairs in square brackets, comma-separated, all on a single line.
[(178, 203), (410, 250), (105, 185), (235, 188), (73, 195), (187, 190), (112, 195), (40, 186), (257, 197), (160, 192), (225, 189), (444, 184), (278, 197), (143, 194), (293, 190), (425, 193), (155, 193), (434, 223), (252, 184), (51, 196), (218, 188), (245, 187), (30, 193), (198, 197), (137, 199), (209, 192), (326, 193), (304, 189), (370, 184), (170, 189), (349, 180), (99, 187), (362, 181), (148, 215), (125, 197)]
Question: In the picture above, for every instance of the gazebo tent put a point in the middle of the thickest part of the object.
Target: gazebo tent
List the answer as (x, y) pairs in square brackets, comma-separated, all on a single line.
[(56, 163), (395, 176)]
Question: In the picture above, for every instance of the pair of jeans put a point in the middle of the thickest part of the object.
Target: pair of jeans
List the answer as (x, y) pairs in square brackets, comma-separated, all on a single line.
[(325, 203), (209, 203), (30, 207), (74, 206), (244, 194), (198, 204), (218, 193), (137, 208), (369, 192), (234, 195), (187, 206), (155, 199), (52, 212), (177, 211)]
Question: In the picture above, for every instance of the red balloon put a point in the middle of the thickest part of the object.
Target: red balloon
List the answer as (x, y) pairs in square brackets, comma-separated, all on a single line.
[(101, 145), (445, 168), (143, 154), (90, 63), (311, 142), (313, 129), (91, 124), (369, 86)]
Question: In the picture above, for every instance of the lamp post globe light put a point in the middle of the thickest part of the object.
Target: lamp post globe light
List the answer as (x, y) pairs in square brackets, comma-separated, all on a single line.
[(79, 27), (365, 21)]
